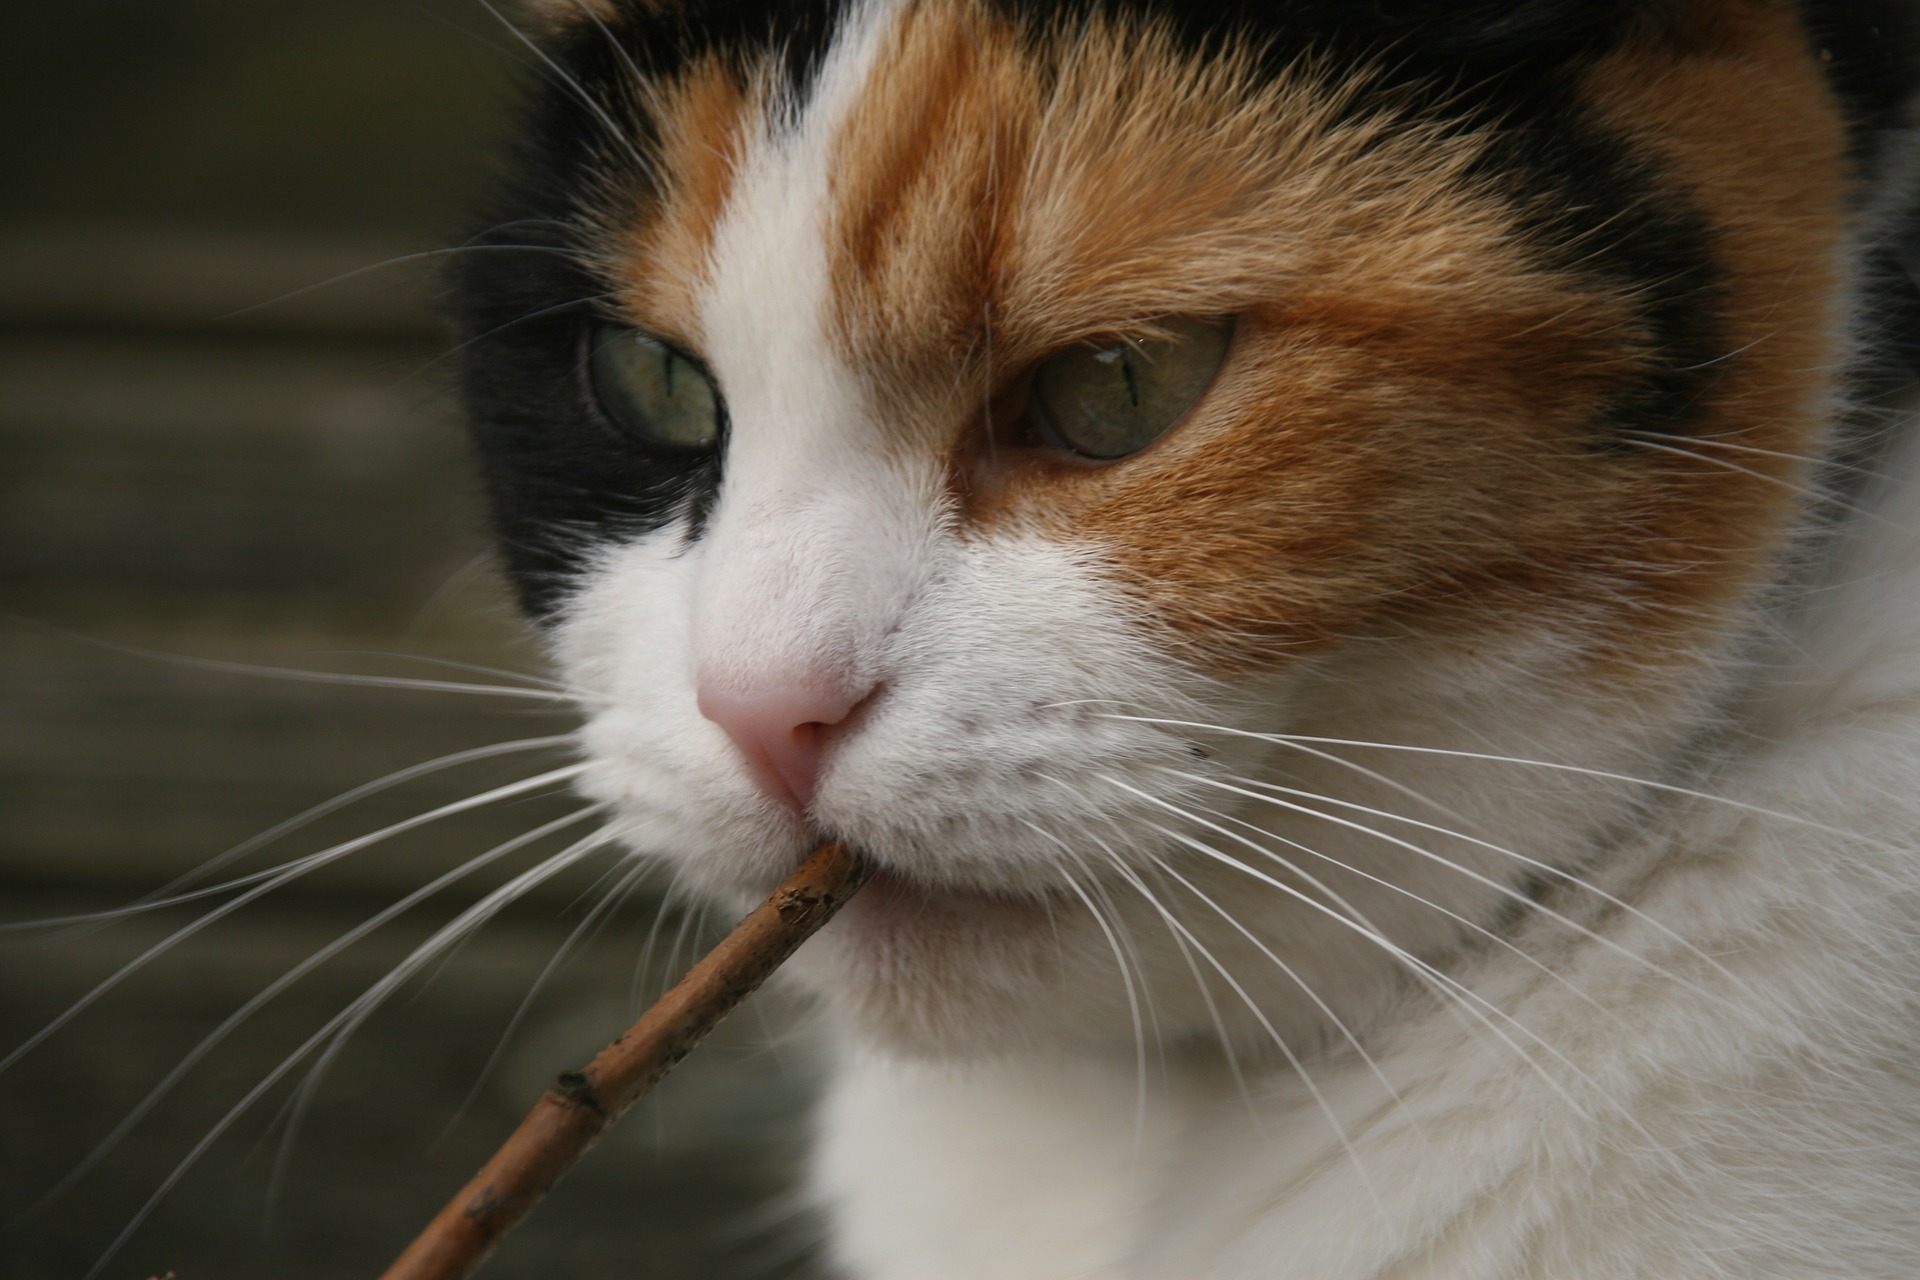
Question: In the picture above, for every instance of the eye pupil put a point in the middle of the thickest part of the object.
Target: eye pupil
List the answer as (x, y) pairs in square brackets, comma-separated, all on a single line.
[(652, 392)]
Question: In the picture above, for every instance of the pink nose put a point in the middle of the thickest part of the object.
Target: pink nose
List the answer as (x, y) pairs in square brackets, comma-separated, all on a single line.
[(781, 732)]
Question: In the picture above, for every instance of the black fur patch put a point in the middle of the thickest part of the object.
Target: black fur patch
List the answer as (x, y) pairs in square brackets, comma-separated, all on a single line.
[(1871, 49), (561, 478)]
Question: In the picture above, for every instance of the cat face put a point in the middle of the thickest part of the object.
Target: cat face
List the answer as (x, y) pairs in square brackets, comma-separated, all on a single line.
[(959, 430)]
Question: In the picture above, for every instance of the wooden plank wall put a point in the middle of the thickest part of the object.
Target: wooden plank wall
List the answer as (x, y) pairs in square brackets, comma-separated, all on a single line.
[(184, 472)]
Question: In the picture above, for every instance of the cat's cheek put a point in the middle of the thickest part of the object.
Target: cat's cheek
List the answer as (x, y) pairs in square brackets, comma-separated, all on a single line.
[(1002, 730)]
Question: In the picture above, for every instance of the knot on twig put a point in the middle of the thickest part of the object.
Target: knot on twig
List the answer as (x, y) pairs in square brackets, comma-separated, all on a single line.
[(573, 1089), (796, 907)]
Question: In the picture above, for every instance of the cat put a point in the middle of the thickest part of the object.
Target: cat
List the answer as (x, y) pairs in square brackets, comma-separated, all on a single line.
[(1337, 559)]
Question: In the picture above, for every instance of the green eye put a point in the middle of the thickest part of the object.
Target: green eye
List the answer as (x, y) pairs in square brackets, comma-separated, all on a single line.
[(1108, 402), (653, 391)]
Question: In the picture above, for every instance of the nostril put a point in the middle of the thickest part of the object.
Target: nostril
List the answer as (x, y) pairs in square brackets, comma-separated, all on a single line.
[(780, 733)]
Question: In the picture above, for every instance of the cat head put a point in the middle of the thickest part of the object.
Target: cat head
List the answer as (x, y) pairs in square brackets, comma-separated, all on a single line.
[(961, 427)]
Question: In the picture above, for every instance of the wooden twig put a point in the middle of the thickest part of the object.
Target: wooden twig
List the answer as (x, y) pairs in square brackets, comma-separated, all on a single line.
[(581, 1104)]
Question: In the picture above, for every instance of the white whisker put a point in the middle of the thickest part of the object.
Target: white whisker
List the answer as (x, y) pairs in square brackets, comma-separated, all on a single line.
[(1290, 739), (384, 264), (1546, 868), (1306, 988), (1465, 999), (1219, 1023), (1253, 1006), (643, 964), (641, 83), (1126, 982), (467, 344), (1824, 464), (601, 911), (297, 674), (1505, 890), (1464, 921), (571, 83), (279, 877), (260, 999), (1418, 965), (170, 895), (343, 1023), (1638, 439)]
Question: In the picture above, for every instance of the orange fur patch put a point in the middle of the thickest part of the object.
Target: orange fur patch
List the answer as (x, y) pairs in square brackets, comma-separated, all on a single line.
[(660, 254), (1745, 124), (1403, 435), (921, 185)]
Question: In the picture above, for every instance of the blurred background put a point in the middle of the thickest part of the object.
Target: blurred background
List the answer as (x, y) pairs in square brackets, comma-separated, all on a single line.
[(226, 438)]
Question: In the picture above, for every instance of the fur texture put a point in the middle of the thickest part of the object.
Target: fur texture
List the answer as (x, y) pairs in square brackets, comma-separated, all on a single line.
[(1446, 808)]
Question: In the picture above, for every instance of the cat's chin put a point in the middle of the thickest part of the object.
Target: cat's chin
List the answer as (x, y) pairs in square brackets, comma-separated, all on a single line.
[(894, 911), (937, 969)]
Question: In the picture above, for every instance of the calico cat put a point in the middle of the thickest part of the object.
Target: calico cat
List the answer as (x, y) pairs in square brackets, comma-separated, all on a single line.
[(1335, 555)]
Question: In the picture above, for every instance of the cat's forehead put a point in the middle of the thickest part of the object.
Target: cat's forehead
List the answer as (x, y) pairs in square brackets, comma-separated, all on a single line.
[(944, 192), (1459, 271)]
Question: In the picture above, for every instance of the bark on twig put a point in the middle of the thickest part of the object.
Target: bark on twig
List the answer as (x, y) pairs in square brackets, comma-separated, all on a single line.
[(581, 1104)]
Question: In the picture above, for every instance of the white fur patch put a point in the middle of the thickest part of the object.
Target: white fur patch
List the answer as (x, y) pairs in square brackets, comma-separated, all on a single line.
[(1125, 903)]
